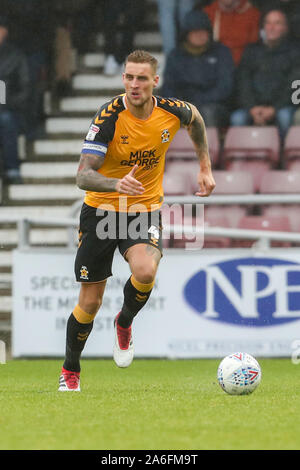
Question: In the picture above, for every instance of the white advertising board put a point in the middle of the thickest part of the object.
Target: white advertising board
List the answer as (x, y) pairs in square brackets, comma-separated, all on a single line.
[(207, 303)]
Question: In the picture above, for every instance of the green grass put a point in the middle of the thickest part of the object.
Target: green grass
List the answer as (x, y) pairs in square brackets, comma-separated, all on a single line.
[(154, 404)]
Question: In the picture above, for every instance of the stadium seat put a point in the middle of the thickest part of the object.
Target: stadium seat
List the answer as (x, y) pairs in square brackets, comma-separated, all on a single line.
[(252, 141), (233, 214), (182, 146), (293, 164), (296, 229), (189, 241), (213, 241), (176, 184), (231, 183), (253, 149), (291, 149), (257, 168), (205, 241), (175, 214), (282, 182), (284, 210), (188, 170), (261, 222)]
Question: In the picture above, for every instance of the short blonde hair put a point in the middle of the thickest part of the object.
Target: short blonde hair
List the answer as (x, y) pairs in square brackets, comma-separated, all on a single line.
[(142, 57)]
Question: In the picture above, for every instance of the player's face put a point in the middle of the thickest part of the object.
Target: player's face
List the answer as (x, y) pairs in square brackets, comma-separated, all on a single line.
[(139, 81)]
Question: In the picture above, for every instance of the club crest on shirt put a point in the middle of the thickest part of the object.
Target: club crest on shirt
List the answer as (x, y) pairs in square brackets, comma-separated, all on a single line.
[(124, 139), (165, 136)]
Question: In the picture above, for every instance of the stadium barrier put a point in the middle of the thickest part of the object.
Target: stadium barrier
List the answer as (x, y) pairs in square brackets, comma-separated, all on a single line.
[(217, 300), (263, 236)]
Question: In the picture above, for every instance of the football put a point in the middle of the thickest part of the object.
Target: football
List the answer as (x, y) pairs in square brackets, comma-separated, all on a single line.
[(239, 374)]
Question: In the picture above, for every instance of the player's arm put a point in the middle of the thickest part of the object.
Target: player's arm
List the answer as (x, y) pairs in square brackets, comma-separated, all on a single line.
[(197, 132), (89, 179)]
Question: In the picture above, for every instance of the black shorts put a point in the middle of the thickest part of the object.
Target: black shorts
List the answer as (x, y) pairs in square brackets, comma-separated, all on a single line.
[(101, 233)]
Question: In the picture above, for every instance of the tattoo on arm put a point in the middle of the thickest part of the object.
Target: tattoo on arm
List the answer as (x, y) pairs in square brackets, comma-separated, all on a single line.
[(197, 132), (88, 177)]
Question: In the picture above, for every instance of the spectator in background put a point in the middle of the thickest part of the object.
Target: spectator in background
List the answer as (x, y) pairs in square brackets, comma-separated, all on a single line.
[(200, 70), (265, 75), (14, 73), (121, 18), (290, 7), (235, 24), (33, 37), (170, 16)]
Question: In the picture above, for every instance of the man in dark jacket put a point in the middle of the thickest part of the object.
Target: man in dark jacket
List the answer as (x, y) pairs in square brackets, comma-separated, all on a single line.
[(290, 7), (265, 76), (200, 70), (15, 80)]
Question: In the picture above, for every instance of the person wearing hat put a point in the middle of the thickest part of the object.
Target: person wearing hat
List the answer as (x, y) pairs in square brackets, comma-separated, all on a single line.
[(201, 70), (14, 77)]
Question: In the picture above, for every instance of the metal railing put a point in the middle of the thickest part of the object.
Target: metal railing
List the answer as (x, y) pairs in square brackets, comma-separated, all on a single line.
[(241, 199), (264, 237)]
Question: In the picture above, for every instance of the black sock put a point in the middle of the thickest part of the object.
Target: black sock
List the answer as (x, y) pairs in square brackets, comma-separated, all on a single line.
[(77, 334), (134, 301)]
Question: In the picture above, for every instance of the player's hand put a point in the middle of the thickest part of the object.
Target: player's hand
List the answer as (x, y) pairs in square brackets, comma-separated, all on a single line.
[(206, 183), (129, 185)]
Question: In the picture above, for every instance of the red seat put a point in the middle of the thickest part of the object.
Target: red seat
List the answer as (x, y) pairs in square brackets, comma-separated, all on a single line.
[(171, 215), (175, 214), (188, 240), (202, 240), (293, 164), (186, 169), (296, 229), (230, 182), (258, 222), (285, 210), (291, 147), (282, 182), (214, 241), (261, 222), (251, 148), (252, 141), (175, 184), (233, 182), (257, 168), (233, 214), (182, 146)]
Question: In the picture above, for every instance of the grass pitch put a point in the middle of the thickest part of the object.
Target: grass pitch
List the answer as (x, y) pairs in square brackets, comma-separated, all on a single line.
[(153, 405)]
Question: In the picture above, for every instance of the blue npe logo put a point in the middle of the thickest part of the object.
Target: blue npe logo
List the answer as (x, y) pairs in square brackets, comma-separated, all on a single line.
[(247, 291)]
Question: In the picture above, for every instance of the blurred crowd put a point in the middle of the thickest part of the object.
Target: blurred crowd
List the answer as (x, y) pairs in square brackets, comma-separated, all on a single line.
[(235, 60)]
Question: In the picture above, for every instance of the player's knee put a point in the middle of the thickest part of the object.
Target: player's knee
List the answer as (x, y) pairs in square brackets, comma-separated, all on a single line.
[(90, 298), (93, 305), (145, 274)]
